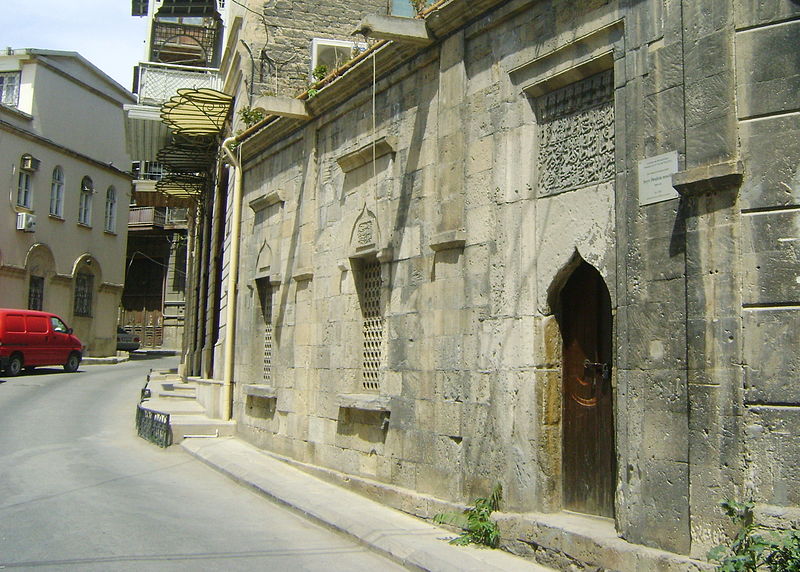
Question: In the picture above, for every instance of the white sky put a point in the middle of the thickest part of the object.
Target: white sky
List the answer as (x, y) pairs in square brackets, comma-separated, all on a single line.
[(102, 31)]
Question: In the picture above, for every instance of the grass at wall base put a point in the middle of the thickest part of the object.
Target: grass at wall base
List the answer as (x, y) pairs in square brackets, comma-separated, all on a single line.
[(475, 522)]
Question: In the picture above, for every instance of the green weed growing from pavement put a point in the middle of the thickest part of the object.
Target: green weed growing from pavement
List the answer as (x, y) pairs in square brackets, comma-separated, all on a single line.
[(753, 548), (476, 522)]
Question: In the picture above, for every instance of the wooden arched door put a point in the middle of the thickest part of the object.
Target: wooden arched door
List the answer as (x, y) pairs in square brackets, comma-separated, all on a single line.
[(588, 453)]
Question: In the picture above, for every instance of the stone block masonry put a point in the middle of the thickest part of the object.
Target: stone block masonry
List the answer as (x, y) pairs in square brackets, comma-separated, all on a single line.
[(502, 165)]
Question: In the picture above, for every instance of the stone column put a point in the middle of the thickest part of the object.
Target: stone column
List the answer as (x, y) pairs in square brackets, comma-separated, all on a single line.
[(709, 185), (451, 139), (191, 294)]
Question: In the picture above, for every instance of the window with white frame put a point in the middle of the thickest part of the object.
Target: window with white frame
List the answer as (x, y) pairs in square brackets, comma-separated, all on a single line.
[(85, 202), (57, 193), (84, 283), (111, 210), (328, 55), (9, 88), (24, 194), (24, 182)]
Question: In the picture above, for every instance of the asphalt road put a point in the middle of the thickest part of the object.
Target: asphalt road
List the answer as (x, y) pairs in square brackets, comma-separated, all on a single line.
[(80, 491)]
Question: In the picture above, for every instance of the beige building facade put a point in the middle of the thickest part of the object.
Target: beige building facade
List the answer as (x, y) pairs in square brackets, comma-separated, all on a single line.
[(62, 241)]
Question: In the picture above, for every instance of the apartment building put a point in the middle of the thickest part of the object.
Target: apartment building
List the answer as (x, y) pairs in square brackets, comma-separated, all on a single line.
[(62, 242)]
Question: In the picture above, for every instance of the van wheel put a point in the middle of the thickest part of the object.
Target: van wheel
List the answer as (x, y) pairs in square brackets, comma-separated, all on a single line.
[(73, 361), (14, 365)]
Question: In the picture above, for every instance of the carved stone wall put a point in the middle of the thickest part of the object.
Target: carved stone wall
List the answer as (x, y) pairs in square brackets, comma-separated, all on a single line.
[(576, 135)]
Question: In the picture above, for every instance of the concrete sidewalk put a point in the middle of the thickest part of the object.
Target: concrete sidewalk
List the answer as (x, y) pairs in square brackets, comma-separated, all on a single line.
[(405, 539)]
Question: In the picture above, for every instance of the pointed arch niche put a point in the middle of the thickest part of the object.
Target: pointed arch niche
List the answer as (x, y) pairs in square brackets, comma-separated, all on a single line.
[(576, 288)]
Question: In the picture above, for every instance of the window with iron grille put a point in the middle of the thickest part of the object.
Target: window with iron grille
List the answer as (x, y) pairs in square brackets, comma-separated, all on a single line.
[(372, 313), (9, 88), (35, 292), (84, 284)]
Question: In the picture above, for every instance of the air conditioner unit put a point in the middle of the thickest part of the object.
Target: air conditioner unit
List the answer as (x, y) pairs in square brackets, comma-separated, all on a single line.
[(30, 163), (26, 222)]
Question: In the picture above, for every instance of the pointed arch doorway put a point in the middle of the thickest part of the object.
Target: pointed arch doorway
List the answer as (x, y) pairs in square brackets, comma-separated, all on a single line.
[(588, 450)]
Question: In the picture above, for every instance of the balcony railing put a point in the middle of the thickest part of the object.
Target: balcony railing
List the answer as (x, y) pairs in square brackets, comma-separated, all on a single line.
[(157, 216), (156, 83), (147, 216)]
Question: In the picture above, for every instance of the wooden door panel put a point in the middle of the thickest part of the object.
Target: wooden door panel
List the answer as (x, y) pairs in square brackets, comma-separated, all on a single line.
[(589, 458)]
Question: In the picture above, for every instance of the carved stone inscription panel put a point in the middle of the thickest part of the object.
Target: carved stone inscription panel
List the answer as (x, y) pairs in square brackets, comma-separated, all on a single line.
[(576, 146)]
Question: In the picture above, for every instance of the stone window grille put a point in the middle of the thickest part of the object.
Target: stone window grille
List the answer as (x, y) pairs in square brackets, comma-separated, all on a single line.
[(35, 292), (266, 307), (84, 284), (576, 135), (373, 324)]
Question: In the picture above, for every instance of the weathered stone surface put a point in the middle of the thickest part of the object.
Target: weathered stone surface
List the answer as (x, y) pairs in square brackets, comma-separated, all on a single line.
[(772, 366), (749, 14), (771, 257), (486, 204), (767, 84), (771, 150), (775, 469)]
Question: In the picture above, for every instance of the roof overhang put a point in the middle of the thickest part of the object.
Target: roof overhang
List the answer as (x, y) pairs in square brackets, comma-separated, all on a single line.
[(145, 133)]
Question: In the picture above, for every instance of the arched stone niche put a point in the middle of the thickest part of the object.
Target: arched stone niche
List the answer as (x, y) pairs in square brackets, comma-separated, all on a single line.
[(40, 261), (88, 264), (548, 381)]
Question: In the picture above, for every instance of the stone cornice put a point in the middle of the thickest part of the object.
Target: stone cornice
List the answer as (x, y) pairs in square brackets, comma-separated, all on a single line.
[(12, 270), (443, 19), (723, 176)]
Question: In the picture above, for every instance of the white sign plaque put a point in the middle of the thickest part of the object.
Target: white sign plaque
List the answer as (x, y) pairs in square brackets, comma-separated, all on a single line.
[(655, 178)]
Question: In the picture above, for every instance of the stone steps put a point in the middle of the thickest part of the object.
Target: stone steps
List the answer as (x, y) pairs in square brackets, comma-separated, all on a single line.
[(178, 398), (183, 426)]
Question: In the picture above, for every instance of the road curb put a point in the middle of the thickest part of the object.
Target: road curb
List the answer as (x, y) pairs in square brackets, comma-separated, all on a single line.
[(405, 539)]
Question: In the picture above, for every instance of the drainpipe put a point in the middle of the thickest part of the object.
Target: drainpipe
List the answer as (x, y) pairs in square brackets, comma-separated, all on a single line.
[(233, 281)]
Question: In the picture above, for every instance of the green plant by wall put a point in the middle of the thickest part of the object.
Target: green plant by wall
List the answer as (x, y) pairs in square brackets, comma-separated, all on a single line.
[(476, 522), (320, 72), (753, 549), (251, 116)]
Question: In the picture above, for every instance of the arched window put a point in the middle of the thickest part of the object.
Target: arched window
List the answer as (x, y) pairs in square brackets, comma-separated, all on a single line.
[(111, 210), (85, 202), (57, 193)]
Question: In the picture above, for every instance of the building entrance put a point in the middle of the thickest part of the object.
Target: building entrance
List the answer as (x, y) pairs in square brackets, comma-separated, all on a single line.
[(589, 459)]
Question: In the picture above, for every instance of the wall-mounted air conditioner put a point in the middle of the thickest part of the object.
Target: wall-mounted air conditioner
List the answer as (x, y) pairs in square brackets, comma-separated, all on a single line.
[(30, 163), (26, 222)]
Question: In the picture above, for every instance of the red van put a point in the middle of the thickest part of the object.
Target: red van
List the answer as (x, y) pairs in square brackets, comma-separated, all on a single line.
[(29, 338)]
